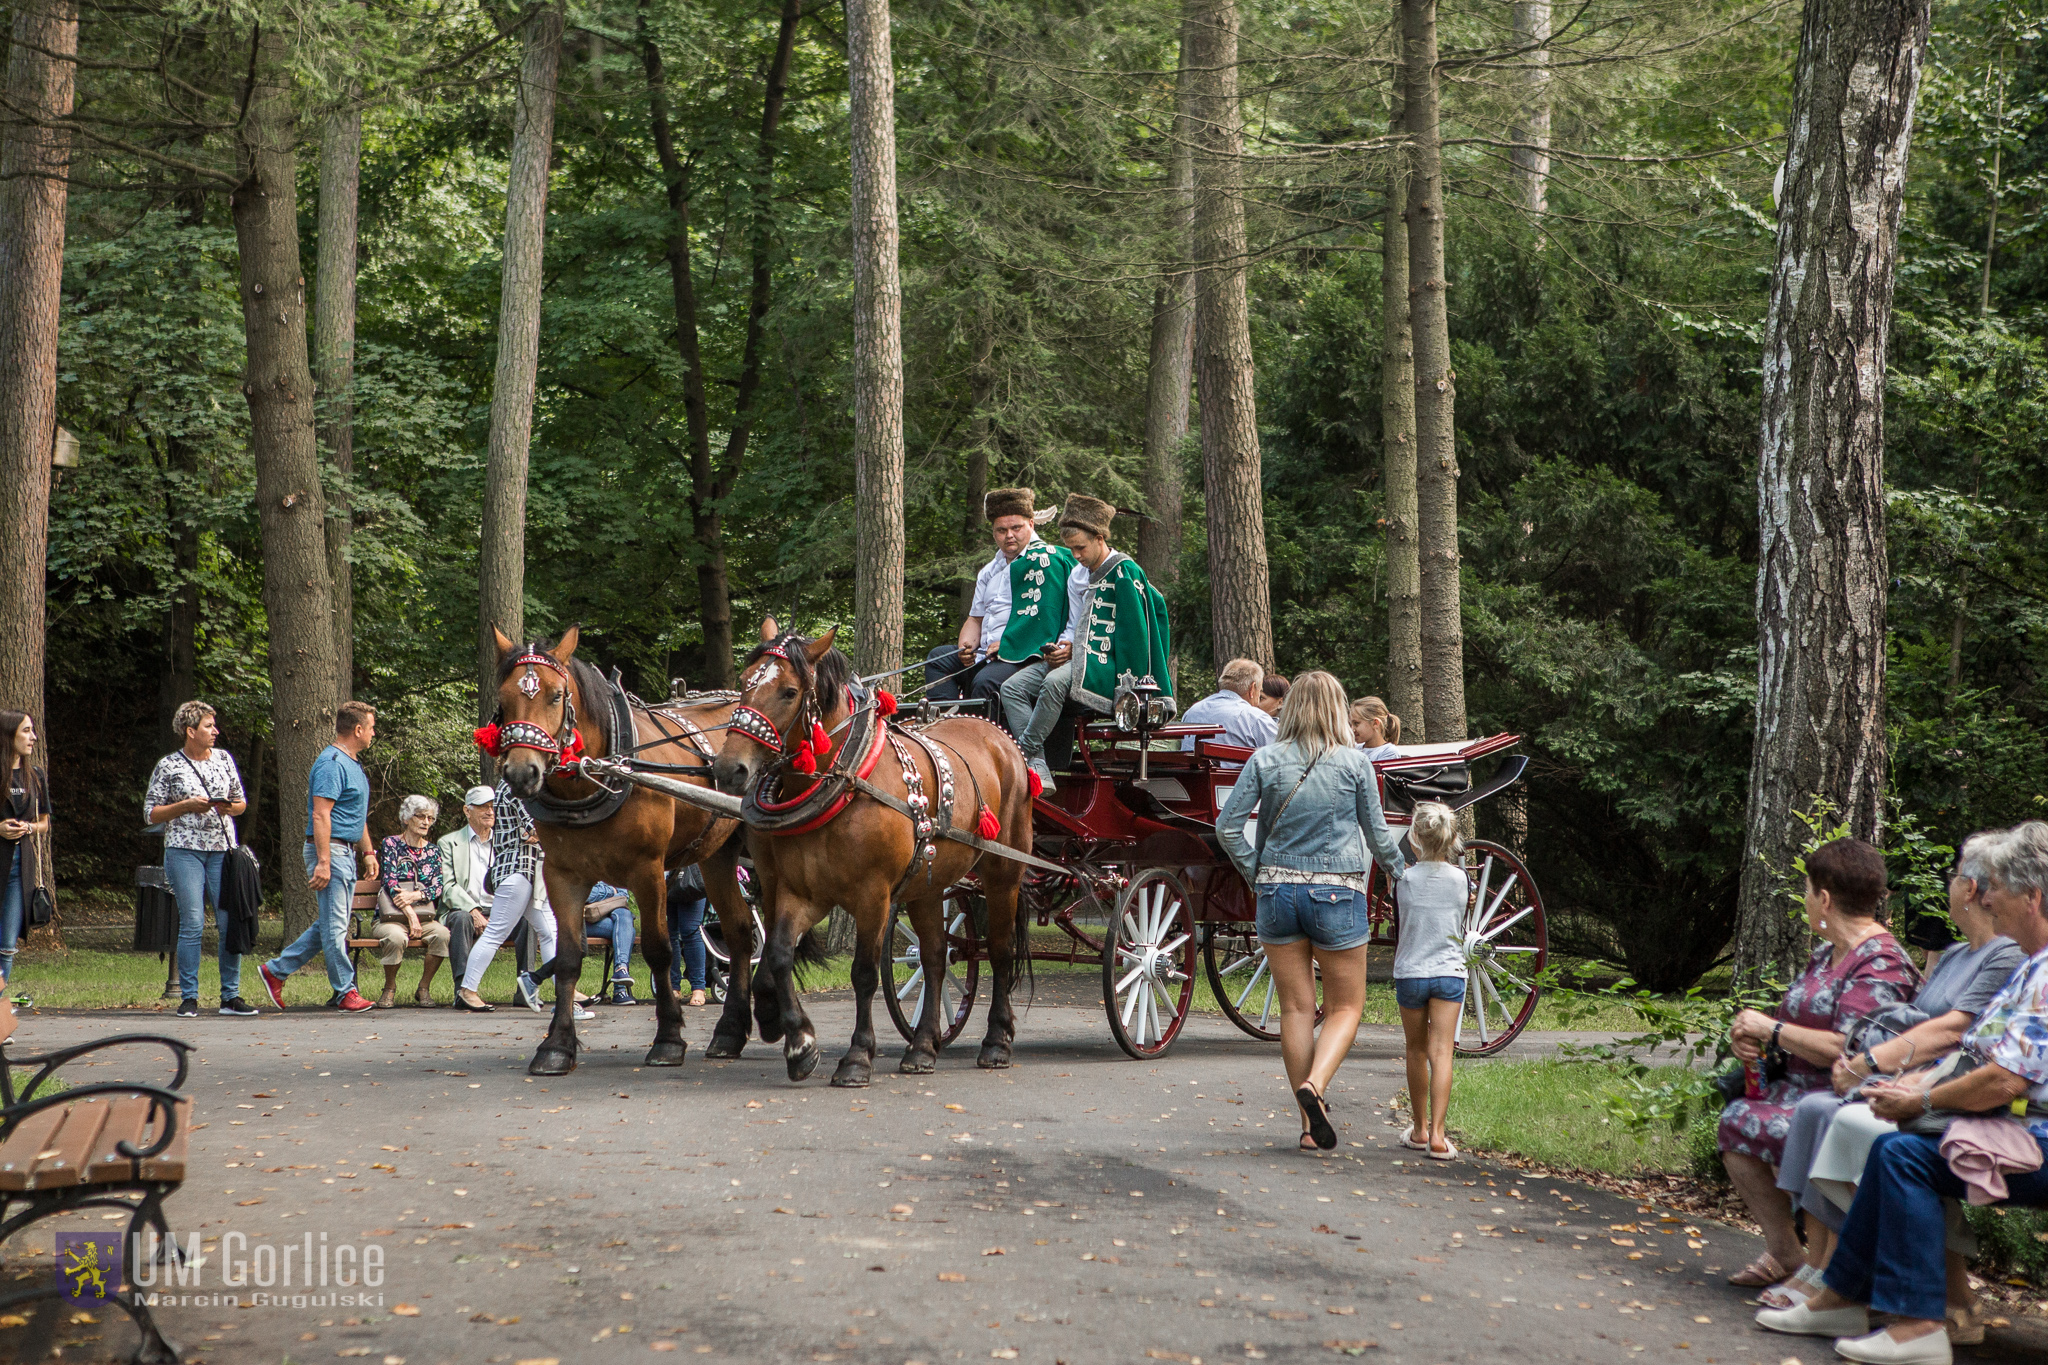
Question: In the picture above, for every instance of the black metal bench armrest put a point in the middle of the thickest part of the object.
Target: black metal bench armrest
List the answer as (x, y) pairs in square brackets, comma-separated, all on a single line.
[(48, 1062), (161, 1100)]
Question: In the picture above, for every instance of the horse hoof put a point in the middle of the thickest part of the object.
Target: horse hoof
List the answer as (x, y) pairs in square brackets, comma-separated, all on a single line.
[(994, 1057), (853, 1074), (666, 1054), (551, 1061), (917, 1064), (725, 1048), (803, 1062)]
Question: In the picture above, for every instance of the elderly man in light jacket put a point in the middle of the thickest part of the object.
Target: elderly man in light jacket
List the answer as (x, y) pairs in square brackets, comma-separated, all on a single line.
[(465, 859)]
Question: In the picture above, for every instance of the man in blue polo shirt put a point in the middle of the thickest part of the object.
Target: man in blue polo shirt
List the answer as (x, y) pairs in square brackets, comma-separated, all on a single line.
[(337, 831)]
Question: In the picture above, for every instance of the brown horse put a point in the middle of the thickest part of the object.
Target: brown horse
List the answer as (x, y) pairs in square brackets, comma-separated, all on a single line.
[(551, 701), (798, 709)]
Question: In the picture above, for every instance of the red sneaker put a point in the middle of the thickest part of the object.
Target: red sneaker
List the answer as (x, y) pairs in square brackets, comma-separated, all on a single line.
[(351, 1002), (273, 984)]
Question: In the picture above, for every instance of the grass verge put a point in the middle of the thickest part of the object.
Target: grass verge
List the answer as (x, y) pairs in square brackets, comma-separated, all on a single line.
[(1554, 1113)]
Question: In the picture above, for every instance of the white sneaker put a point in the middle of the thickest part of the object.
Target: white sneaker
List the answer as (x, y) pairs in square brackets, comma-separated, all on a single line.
[(1881, 1348), (1802, 1321), (582, 1013), (1044, 771), (528, 992)]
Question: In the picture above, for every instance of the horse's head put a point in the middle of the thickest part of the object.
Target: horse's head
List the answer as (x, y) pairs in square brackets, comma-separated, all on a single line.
[(788, 685), (538, 706)]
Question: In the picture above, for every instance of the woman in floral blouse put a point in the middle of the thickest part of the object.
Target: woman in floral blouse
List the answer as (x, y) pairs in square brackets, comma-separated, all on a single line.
[(1858, 969), (409, 870)]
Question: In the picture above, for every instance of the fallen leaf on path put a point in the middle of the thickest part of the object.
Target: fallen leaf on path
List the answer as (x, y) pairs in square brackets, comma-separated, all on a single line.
[(405, 1310), (245, 1203), (1351, 1348), (1286, 1315), (1181, 1356), (1433, 1260), (1341, 1312), (952, 1277), (994, 1251)]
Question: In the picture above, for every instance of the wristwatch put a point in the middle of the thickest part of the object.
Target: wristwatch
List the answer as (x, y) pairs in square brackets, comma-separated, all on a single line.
[(1775, 1030)]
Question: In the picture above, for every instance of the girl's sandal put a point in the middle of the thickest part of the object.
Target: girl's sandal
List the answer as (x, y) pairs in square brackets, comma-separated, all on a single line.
[(1760, 1273), (696, 1000), (1313, 1105), (1308, 1146)]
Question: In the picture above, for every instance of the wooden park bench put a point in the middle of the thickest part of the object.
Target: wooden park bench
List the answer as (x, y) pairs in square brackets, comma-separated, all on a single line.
[(111, 1144), (363, 910)]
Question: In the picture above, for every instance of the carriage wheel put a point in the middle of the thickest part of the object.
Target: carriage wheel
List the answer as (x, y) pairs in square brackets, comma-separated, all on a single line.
[(904, 977), (1506, 944), (1148, 963), (1242, 980), (717, 958)]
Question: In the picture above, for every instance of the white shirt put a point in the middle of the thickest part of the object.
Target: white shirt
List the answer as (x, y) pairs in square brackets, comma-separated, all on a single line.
[(1431, 905), (479, 866), (1244, 724), (1382, 752), (992, 602)]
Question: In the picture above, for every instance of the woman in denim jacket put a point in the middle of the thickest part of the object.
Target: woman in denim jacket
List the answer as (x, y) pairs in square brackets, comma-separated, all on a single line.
[(1319, 811)]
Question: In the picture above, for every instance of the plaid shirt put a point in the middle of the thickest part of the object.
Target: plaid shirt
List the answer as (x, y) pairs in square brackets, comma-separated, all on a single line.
[(511, 854)]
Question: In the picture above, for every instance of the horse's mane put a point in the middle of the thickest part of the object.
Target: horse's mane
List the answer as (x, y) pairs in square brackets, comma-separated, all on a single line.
[(824, 681), (590, 686)]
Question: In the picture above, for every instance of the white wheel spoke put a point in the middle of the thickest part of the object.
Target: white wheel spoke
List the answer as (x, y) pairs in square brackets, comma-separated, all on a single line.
[(1252, 984), (914, 982), (1129, 997), (1485, 876), (1171, 948), (1266, 1008), (1510, 948), (1491, 934)]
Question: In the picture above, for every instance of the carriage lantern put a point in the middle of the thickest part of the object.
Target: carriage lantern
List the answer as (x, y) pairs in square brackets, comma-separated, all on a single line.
[(1140, 707)]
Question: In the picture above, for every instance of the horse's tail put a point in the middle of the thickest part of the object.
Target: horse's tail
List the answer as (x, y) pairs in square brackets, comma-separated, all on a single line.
[(810, 949), (1020, 952)]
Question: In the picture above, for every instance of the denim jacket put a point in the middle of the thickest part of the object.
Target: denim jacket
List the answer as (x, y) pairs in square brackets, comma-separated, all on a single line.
[(1328, 825)]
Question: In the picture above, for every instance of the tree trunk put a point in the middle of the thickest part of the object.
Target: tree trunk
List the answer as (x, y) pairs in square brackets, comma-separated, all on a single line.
[(1821, 561), (981, 427), (33, 162), (1240, 595), (877, 343), (1172, 357), (711, 483), (334, 350), (502, 562), (291, 511), (1397, 429), (1436, 448), (1531, 153), (181, 618)]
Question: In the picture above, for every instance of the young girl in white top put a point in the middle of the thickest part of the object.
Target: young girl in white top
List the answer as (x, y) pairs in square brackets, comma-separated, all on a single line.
[(1375, 729), (1429, 971)]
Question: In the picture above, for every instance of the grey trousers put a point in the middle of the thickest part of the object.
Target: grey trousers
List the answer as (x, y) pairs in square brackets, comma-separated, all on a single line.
[(1033, 698)]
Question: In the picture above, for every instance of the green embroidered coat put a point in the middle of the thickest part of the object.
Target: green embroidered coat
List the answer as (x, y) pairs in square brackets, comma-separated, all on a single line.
[(1038, 601), (1125, 631)]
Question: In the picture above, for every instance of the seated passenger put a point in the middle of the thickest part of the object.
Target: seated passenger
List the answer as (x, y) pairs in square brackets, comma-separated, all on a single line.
[(1117, 620), (1234, 706), (1019, 607), (1889, 1254), (1272, 694), (1376, 729)]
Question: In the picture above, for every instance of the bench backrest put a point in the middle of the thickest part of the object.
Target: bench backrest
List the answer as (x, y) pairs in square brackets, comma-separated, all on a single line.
[(365, 902)]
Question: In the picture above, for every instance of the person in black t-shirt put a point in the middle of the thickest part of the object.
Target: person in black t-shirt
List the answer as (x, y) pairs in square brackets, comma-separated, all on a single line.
[(24, 815)]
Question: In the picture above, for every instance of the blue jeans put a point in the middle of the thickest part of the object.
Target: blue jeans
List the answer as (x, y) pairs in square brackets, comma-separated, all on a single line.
[(618, 927), (686, 942), (328, 933), (194, 875), (1894, 1240), (1415, 992), (1333, 918), (11, 910)]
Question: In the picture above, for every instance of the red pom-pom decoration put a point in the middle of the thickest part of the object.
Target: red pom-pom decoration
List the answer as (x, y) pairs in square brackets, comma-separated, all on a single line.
[(574, 748), (885, 702), (989, 826), (1037, 782), (821, 742), (804, 760), (487, 739)]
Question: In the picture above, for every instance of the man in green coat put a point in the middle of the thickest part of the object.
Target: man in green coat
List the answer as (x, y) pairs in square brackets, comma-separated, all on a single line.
[(1116, 625)]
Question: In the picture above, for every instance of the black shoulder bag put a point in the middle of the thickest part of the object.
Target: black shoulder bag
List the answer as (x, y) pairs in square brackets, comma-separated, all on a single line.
[(241, 881), (39, 908)]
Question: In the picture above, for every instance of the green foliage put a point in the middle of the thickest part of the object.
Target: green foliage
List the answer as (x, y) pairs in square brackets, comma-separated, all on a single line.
[(2011, 1242)]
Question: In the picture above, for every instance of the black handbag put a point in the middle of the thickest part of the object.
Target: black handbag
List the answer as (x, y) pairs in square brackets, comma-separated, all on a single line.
[(241, 882), (156, 912)]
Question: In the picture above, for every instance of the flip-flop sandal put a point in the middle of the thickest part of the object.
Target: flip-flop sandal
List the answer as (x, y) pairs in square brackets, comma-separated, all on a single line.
[(1411, 1144), (1761, 1273), (1308, 1146), (1450, 1152), (1318, 1113)]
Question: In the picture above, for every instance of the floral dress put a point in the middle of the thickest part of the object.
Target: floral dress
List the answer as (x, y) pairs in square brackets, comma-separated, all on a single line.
[(1830, 996), (399, 863)]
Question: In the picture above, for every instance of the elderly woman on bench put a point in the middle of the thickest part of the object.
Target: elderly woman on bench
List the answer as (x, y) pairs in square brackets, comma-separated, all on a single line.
[(1889, 1255)]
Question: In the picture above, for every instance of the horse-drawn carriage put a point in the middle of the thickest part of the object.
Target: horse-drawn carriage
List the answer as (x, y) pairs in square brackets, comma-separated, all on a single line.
[(927, 831), (1145, 890)]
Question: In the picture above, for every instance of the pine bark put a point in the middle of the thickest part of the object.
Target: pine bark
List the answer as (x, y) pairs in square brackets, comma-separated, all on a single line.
[(1435, 388), (1397, 428), (711, 482), (981, 439), (34, 160), (1240, 593), (290, 508), (1172, 360), (1821, 557), (877, 343), (334, 350), (502, 562), (1531, 154)]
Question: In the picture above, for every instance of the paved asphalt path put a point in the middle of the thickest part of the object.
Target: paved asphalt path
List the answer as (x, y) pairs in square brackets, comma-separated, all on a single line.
[(1081, 1207)]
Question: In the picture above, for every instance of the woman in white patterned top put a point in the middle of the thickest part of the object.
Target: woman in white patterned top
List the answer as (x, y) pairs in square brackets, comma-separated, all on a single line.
[(195, 793)]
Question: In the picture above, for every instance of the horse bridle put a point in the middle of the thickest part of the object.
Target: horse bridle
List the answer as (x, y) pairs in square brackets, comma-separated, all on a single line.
[(523, 734), (755, 724)]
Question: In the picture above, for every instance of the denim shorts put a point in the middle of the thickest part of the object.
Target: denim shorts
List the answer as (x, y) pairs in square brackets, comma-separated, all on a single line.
[(1415, 992), (1330, 917)]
